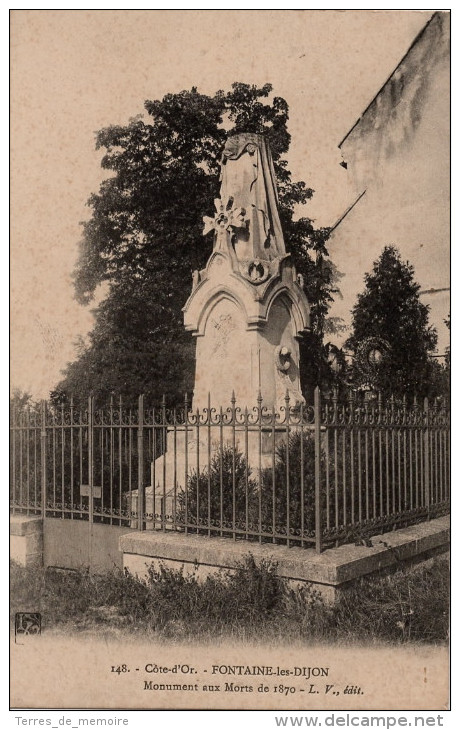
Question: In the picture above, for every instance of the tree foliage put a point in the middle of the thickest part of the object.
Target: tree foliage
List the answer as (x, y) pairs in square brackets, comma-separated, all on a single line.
[(390, 309), (20, 400), (144, 237)]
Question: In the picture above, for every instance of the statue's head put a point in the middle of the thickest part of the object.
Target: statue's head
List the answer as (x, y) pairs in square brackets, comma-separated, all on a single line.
[(237, 144)]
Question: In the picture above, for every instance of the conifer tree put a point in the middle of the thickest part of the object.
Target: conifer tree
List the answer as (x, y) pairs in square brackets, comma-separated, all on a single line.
[(389, 310)]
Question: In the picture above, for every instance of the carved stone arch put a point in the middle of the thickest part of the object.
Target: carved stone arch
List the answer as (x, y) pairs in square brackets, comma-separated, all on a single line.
[(217, 298), (298, 307)]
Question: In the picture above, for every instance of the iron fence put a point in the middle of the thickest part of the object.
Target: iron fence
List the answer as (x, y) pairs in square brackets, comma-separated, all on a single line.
[(316, 475)]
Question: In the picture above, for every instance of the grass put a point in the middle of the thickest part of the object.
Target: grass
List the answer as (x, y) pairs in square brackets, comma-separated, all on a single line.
[(252, 603)]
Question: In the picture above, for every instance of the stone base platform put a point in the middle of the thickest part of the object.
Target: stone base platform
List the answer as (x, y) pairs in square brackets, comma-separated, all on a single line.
[(26, 540), (330, 571)]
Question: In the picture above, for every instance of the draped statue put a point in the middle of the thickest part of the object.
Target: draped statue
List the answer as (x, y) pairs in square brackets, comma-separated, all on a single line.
[(248, 205)]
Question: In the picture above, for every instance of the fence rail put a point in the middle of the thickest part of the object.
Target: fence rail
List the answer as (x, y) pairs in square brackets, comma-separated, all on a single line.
[(315, 475)]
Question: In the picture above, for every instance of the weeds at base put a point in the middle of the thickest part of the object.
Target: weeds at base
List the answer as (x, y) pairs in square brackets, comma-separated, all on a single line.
[(249, 604)]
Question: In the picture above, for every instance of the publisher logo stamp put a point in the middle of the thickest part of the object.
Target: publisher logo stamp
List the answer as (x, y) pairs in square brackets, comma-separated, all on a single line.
[(27, 624)]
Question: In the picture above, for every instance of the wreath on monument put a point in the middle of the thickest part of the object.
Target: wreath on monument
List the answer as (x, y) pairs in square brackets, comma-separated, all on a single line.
[(371, 354)]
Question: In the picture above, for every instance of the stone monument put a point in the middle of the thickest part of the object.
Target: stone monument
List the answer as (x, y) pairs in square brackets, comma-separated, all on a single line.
[(247, 308), (247, 311)]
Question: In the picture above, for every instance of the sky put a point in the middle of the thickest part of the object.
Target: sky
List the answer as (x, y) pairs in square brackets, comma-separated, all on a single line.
[(74, 72)]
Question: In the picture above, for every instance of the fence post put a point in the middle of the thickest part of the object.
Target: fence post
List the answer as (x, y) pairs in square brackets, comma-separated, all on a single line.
[(140, 465), (90, 457), (90, 478), (318, 526), (165, 447), (43, 458), (426, 460)]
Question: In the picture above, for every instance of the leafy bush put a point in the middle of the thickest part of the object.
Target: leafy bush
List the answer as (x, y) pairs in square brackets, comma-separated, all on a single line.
[(230, 601), (210, 494), (284, 503), (294, 467)]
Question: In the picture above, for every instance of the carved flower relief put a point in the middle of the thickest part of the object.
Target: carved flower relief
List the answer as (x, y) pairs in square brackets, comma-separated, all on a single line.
[(226, 218)]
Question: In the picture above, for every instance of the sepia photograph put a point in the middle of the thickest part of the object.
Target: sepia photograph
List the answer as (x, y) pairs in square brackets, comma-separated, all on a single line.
[(230, 360)]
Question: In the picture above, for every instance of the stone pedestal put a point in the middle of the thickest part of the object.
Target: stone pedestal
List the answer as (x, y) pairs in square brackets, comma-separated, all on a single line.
[(193, 451)]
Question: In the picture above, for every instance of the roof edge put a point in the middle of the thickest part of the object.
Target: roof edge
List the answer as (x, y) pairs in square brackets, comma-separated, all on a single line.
[(414, 42)]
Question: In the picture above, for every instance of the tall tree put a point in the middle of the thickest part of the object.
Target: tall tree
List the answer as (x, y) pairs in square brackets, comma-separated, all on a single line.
[(144, 237), (390, 310)]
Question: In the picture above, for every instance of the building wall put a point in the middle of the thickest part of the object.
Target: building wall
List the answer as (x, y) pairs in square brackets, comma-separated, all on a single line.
[(399, 153)]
